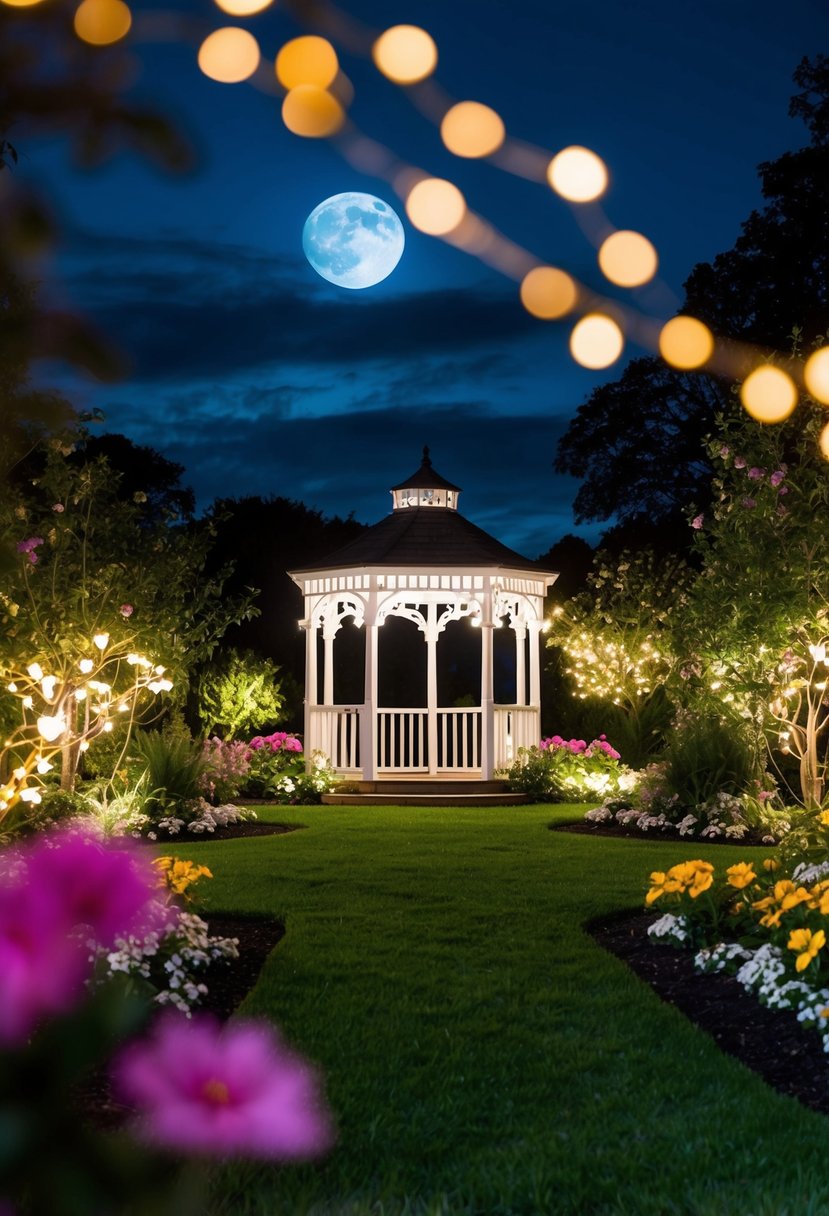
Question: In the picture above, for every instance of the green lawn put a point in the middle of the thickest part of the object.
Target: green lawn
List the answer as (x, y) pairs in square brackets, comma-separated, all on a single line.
[(482, 1054)]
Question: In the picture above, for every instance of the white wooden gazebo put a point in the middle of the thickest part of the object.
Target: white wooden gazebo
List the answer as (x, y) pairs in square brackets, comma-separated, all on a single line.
[(427, 564)]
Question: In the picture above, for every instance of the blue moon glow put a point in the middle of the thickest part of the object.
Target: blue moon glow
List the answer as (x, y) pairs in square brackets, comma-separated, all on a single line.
[(353, 240)]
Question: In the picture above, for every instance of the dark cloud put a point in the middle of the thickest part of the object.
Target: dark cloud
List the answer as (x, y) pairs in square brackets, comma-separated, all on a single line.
[(183, 309)]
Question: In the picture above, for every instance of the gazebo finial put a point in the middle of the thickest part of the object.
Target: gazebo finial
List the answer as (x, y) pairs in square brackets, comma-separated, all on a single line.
[(426, 459)]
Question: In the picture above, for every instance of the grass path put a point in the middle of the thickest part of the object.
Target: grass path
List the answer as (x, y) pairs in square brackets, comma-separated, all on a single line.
[(482, 1054)]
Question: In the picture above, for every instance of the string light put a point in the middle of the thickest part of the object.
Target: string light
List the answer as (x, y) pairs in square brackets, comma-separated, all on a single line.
[(596, 341), (307, 60), (471, 129), (229, 55), (686, 343), (102, 22), (548, 293), (435, 206), (768, 394), (577, 174), (405, 54), (312, 112), (816, 375), (628, 259)]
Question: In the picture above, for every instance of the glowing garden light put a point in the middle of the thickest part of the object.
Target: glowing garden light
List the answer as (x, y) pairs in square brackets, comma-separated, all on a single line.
[(435, 206), (548, 293), (628, 259), (229, 55), (816, 375), (47, 687), (577, 174), (405, 54), (86, 665), (51, 726), (35, 671), (102, 22), (101, 640), (596, 341), (307, 60), (686, 343), (470, 129), (312, 112), (768, 394)]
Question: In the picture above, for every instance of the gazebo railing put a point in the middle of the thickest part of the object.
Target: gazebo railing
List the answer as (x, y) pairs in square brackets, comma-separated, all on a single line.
[(459, 739), (402, 740), (515, 726), (335, 730)]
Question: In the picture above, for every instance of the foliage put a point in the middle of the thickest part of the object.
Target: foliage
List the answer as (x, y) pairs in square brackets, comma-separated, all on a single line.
[(226, 769), (707, 756), (559, 770), (175, 767), (639, 442), (272, 758), (100, 592), (237, 694)]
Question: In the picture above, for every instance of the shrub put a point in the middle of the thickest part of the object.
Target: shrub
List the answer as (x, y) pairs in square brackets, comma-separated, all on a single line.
[(706, 757), (175, 767), (238, 694), (563, 770), (226, 769)]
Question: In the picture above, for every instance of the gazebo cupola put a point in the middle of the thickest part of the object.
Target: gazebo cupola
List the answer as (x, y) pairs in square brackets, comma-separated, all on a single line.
[(425, 488), (437, 573)]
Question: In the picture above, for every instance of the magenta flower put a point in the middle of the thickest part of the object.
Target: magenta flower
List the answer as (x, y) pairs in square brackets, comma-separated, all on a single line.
[(228, 1091), (749, 503), (103, 889), (725, 451), (783, 490), (756, 474), (126, 610), (739, 463), (777, 477), (697, 521), (59, 508), (28, 547)]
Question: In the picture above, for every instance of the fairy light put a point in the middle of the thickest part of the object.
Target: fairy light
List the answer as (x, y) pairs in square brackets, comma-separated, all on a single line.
[(548, 293), (470, 129), (596, 341), (577, 174), (435, 206), (405, 54), (102, 22), (229, 55), (768, 394), (686, 343), (628, 259), (816, 375), (307, 60), (312, 112)]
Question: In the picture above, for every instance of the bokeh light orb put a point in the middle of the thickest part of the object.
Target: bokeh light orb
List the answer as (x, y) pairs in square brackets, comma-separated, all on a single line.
[(596, 341), (405, 54), (435, 206), (229, 55), (471, 129), (243, 8), (685, 343), (307, 60), (312, 112), (823, 442), (102, 22), (21, 3), (769, 394), (548, 293), (628, 259), (577, 174), (816, 375)]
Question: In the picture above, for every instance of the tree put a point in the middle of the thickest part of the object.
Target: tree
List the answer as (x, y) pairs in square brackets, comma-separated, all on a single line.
[(639, 442), (100, 591), (239, 695)]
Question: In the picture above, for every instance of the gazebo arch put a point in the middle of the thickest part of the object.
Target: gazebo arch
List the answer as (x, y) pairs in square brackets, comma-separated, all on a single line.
[(428, 564)]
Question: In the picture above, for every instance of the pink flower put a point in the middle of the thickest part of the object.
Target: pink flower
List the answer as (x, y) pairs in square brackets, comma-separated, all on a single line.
[(696, 522), (724, 451), (126, 610), (777, 477), (739, 463), (59, 508), (749, 503), (229, 1091), (106, 890), (783, 490), (756, 474), (28, 547)]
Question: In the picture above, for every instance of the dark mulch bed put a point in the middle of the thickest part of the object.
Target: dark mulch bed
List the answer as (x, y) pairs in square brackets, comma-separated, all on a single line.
[(227, 986), (585, 828), (235, 831), (772, 1042)]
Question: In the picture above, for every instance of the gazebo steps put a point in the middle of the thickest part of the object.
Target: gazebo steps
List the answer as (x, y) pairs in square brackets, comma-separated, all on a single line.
[(425, 792)]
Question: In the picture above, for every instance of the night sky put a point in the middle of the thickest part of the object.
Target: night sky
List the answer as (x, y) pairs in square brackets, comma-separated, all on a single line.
[(261, 378)]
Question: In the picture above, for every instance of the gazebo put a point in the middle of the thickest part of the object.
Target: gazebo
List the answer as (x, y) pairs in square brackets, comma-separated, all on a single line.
[(426, 564)]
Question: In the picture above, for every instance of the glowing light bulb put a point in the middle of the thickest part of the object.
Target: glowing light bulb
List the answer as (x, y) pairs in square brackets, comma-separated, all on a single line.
[(768, 394), (312, 112), (684, 342), (47, 685), (628, 259), (86, 665), (405, 54), (577, 174), (471, 129), (35, 671), (11, 687), (229, 55), (596, 341), (435, 206), (243, 8), (816, 375), (548, 293), (307, 60), (51, 727), (102, 22), (101, 640)]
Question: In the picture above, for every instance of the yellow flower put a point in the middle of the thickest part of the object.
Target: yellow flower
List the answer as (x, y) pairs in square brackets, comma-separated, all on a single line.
[(741, 875), (701, 882), (771, 864), (824, 818), (178, 875), (807, 945)]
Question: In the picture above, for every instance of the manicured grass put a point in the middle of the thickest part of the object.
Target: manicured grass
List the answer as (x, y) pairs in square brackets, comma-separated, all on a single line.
[(482, 1054)]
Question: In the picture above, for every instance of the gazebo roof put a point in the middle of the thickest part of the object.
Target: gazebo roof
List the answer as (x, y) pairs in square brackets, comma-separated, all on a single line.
[(426, 476), (426, 536)]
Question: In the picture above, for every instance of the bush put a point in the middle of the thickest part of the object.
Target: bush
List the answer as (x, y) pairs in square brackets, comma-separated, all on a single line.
[(175, 768), (239, 694), (562, 770), (226, 770), (706, 757)]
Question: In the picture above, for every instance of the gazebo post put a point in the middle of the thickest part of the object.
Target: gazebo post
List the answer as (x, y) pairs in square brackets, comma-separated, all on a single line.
[(311, 742), (535, 665), (487, 693), (431, 634), (369, 715), (520, 630)]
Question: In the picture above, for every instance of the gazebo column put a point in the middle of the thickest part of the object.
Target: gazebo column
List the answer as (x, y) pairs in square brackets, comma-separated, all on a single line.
[(368, 717), (535, 628), (310, 625), (432, 684), (520, 630), (487, 694)]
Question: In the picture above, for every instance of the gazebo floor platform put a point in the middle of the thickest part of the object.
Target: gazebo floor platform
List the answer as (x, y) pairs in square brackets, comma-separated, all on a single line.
[(424, 791)]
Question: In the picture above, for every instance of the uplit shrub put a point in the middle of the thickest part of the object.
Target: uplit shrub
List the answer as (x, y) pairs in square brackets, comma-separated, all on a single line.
[(226, 768), (569, 770)]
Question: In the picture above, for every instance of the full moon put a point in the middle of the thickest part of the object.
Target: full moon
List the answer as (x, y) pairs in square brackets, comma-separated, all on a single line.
[(353, 240)]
